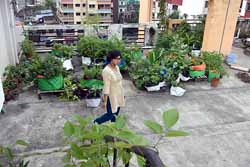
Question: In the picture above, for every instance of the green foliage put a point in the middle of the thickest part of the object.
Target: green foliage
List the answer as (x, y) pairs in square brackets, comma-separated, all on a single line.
[(94, 87), (88, 143), (146, 72), (94, 72), (48, 68), (9, 160), (95, 47), (63, 51), (170, 118), (214, 62), (69, 88), (162, 13), (27, 48), (155, 127), (174, 15)]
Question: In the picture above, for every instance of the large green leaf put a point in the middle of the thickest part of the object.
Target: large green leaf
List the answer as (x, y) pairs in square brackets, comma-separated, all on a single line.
[(22, 143), (170, 117), (176, 133), (83, 121), (7, 151), (155, 127), (68, 128), (76, 151), (141, 161)]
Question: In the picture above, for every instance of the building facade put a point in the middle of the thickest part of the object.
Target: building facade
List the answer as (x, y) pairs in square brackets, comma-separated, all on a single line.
[(75, 11), (8, 43)]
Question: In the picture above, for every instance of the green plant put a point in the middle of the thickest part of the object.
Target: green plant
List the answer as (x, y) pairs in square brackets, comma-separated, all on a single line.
[(93, 144), (174, 15), (94, 86), (27, 48), (214, 62), (63, 51), (69, 88), (48, 68), (9, 160), (94, 72), (95, 47)]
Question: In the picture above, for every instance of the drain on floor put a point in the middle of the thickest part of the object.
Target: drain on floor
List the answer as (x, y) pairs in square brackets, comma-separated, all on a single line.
[(245, 77)]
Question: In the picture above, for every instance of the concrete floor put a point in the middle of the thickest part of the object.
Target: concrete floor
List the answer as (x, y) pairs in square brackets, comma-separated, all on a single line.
[(218, 120)]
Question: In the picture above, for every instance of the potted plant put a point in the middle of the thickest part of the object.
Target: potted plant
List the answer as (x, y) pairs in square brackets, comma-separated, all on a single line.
[(94, 88), (63, 51), (214, 64), (92, 72), (49, 73), (27, 48), (197, 67)]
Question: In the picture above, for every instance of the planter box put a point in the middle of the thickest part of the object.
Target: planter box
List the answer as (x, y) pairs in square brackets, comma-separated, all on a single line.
[(194, 73), (212, 75), (95, 102), (51, 84)]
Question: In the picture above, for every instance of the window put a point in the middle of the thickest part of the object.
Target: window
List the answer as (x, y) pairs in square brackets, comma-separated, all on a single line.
[(66, 22), (120, 10), (153, 4), (175, 7), (206, 4), (65, 14), (121, 3), (83, 5), (248, 6), (78, 14), (83, 14), (65, 5), (91, 14), (78, 22), (92, 6), (153, 15), (77, 5)]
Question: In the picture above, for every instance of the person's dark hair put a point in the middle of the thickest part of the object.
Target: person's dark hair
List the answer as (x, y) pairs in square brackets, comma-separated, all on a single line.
[(113, 55)]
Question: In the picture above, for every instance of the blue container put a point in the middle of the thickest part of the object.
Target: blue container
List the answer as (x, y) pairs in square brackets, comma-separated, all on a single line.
[(231, 58)]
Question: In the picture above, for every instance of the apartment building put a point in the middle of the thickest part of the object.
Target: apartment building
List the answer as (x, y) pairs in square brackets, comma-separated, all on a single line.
[(74, 11)]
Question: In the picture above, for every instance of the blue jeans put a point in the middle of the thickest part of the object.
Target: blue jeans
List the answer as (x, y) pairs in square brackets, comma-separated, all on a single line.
[(109, 116)]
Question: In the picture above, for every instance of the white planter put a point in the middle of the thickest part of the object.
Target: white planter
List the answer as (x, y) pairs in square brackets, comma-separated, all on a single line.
[(86, 60), (153, 88), (163, 83), (196, 52), (93, 102)]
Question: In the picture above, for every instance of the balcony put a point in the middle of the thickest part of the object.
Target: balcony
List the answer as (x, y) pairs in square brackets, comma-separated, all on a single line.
[(66, 1), (67, 10), (104, 11)]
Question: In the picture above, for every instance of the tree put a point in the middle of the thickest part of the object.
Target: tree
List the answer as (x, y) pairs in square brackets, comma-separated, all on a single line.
[(162, 13)]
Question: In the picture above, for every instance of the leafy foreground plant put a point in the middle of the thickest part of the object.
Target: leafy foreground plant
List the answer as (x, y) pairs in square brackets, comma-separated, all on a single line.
[(93, 145), (8, 159)]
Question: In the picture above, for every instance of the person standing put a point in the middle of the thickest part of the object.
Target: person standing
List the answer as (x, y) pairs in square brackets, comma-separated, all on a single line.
[(113, 94)]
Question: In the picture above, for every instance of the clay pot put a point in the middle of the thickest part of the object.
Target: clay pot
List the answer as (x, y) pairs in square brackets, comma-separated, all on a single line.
[(215, 82)]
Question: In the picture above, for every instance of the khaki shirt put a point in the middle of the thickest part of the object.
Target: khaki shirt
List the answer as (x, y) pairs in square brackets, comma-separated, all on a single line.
[(113, 87)]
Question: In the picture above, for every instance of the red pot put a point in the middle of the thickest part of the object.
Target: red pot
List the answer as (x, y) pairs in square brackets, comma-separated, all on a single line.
[(215, 82), (199, 67)]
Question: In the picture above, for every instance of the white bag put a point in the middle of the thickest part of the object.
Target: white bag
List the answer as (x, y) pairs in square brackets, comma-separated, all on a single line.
[(86, 60), (68, 65), (93, 102), (153, 88), (177, 91), (163, 83), (183, 78)]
